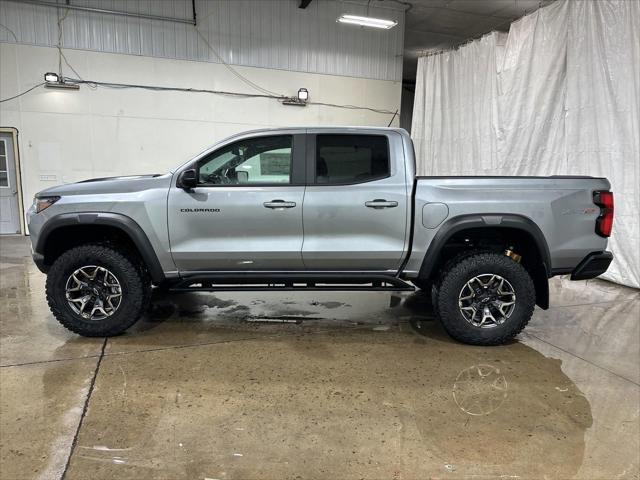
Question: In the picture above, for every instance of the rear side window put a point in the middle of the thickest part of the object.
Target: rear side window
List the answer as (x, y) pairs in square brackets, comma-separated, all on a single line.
[(351, 158)]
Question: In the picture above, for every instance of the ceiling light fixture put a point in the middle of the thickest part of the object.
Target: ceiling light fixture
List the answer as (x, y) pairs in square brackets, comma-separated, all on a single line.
[(367, 21), (300, 100), (53, 80), (51, 77)]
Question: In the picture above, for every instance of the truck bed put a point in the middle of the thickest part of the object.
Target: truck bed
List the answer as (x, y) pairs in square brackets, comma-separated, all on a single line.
[(559, 209)]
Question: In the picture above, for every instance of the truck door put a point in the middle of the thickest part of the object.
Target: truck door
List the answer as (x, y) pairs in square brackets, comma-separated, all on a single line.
[(357, 200), (246, 211)]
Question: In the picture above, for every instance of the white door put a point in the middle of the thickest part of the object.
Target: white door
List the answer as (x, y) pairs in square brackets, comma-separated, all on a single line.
[(9, 214)]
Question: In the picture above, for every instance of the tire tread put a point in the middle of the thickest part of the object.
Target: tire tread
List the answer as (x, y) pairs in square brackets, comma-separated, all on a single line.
[(459, 269), (138, 282)]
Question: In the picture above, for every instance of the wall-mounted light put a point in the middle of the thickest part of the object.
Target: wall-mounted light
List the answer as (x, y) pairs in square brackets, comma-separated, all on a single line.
[(53, 80), (300, 100), (51, 77), (367, 21)]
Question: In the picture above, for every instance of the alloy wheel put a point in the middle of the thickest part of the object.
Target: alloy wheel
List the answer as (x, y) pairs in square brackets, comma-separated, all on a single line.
[(487, 300), (93, 292)]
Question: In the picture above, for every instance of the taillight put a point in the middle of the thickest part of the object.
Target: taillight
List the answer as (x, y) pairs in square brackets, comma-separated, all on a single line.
[(604, 223)]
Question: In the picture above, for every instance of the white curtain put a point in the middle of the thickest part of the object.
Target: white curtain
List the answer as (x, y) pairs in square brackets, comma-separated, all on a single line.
[(558, 95)]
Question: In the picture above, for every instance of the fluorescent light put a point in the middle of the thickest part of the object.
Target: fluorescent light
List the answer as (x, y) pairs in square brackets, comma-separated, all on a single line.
[(367, 21), (51, 77), (62, 85)]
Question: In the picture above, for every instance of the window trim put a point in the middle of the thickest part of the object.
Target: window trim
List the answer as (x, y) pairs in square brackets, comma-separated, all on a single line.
[(312, 154), (298, 165)]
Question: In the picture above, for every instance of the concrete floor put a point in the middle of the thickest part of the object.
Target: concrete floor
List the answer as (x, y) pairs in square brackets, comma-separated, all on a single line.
[(346, 385)]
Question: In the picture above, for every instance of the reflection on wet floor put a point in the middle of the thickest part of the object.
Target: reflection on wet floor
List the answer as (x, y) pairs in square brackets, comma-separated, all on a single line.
[(317, 384)]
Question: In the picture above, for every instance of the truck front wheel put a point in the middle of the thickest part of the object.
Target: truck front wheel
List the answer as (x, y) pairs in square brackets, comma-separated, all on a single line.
[(485, 299), (96, 291)]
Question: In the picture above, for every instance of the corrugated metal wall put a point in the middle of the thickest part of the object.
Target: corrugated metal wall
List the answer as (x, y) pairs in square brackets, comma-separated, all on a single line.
[(258, 33)]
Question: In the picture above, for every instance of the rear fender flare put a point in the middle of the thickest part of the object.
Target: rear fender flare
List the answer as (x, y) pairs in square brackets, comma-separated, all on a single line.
[(494, 220)]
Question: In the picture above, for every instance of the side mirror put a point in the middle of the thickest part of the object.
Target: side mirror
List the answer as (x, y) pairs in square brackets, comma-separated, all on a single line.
[(188, 179)]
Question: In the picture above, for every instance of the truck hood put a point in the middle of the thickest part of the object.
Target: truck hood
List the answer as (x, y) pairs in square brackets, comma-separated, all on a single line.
[(128, 184)]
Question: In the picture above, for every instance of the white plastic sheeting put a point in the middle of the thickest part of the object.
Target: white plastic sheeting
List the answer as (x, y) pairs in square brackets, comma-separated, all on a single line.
[(558, 95)]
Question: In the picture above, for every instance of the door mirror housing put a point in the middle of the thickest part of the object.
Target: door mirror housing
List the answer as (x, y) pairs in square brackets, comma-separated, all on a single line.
[(187, 179)]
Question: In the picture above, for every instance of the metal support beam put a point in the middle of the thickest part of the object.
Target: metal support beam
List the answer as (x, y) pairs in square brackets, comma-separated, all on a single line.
[(111, 12), (304, 3)]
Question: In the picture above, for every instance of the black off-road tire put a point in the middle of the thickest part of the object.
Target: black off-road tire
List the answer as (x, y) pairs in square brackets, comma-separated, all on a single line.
[(134, 281), (448, 266), (454, 277)]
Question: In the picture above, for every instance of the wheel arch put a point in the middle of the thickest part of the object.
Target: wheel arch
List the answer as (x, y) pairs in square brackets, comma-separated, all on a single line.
[(434, 258), (94, 226)]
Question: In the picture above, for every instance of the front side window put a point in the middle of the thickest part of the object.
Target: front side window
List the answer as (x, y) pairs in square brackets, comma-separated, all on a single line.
[(344, 159), (258, 160)]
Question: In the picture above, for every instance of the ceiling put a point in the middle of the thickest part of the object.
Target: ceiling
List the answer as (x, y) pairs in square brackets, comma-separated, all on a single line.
[(432, 25)]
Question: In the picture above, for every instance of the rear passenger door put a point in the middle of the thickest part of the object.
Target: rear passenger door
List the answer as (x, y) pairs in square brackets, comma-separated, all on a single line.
[(356, 201)]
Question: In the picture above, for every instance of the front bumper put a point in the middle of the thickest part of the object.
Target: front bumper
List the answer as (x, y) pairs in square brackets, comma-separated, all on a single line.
[(38, 259), (35, 222), (594, 264)]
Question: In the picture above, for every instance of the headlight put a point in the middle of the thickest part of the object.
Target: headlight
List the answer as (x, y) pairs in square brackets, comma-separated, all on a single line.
[(44, 202)]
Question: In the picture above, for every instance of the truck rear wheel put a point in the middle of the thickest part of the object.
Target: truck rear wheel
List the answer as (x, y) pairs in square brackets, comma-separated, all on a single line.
[(96, 291), (485, 299)]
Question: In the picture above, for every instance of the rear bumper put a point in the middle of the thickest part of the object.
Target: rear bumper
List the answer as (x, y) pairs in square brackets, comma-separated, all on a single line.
[(594, 264)]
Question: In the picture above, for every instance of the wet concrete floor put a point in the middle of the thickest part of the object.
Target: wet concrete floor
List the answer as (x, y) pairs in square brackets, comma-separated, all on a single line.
[(316, 385)]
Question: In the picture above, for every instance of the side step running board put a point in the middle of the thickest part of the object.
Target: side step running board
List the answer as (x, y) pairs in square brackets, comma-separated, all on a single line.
[(237, 282)]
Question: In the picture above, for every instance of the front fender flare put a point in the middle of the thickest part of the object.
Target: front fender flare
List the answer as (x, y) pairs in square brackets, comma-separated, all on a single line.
[(127, 225)]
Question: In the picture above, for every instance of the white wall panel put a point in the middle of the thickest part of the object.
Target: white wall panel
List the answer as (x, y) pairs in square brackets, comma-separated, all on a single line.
[(258, 33), (68, 136)]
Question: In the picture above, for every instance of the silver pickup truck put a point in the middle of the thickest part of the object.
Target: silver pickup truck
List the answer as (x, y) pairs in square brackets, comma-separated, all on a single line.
[(318, 209)]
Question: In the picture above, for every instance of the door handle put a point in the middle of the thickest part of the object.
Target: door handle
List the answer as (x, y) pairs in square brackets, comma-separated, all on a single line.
[(380, 203), (277, 204)]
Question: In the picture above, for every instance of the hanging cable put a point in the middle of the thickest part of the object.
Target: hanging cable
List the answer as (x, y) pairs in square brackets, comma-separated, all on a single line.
[(61, 55), (22, 93), (352, 107), (233, 70), (280, 98), (10, 31), (95, 83), (59, 45), (393, 118)]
